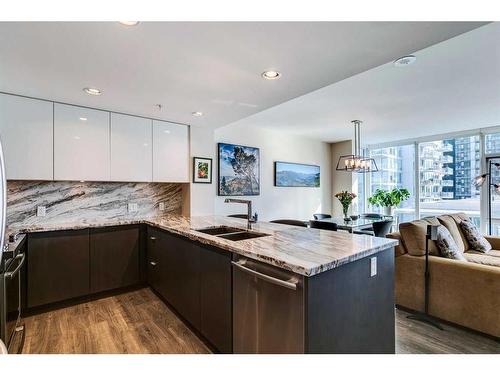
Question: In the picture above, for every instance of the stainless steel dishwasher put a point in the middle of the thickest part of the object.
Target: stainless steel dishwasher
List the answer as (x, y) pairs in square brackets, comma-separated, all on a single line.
[(268, 308)]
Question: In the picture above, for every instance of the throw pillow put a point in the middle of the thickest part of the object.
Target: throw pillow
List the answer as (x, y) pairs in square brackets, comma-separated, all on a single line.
[(447, 245), (474, 237)]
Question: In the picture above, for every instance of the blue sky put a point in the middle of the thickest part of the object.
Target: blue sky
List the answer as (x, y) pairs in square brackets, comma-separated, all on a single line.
[(308, 169)]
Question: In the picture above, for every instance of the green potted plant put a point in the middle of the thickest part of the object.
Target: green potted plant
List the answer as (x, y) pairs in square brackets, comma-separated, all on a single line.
[(388, 199), (345, 199)]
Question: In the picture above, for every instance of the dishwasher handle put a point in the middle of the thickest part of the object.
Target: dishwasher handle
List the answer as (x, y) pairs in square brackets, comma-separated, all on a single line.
[(12, 274), (290, 283)]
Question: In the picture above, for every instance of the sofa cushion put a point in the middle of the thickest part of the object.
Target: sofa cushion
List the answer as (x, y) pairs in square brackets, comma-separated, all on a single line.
[(413, 237), (399, 249), (481, 258), (476, 240), (447, 245), (459, 217), (449, 222), (491, 253), (494, 241)]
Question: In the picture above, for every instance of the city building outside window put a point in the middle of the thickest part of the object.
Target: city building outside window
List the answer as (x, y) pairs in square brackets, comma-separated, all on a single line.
[(448, 168), (396, 170)]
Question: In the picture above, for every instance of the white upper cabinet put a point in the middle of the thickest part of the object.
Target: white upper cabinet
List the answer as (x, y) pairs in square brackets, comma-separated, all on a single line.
[(81, 143), (43, 140), (131, 148), (170, 152), (26, 135)]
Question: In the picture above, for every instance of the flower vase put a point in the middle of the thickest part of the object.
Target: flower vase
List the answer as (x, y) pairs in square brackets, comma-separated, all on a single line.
[(345, 211)]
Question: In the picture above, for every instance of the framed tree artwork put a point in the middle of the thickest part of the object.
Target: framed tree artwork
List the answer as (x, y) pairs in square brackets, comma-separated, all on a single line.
[(238, 170), (202, 170)]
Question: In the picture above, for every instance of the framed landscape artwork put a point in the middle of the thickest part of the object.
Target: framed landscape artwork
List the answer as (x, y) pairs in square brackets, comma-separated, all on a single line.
[(202, 170), (296, 175), (238, 170)]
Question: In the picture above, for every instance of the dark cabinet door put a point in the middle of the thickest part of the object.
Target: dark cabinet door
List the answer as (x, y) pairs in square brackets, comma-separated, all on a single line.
[(174, 272), (184, 276), (58, 266), (216, 298), (157, 262), (114, 257)]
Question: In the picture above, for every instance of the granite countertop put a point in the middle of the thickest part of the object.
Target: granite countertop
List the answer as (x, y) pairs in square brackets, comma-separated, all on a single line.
[(302, 250)]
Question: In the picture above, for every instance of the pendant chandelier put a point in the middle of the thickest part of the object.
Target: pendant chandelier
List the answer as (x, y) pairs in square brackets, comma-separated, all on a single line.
[(356, 162)]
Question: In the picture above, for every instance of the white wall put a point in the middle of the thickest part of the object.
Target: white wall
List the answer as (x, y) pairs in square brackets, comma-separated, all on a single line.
[(279, 202), (202, 195)]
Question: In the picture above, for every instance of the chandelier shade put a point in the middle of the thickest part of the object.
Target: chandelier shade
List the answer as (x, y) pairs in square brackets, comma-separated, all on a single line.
[(356, 162)]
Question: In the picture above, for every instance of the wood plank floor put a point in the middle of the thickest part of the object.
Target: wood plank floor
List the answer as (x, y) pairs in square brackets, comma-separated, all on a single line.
[(139, 322), (413, 337), (134, 322)]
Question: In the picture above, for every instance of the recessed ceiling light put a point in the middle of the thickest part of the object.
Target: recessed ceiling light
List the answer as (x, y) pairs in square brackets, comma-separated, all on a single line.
[(271, 74), (92, 91), (83, 118), (197, 114), (129, 23), (405, 60)]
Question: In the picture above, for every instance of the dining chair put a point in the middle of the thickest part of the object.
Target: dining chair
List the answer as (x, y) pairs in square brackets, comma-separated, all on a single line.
[(321, 216), (323, 225), (297, 223), (380, 229), (239, 216)]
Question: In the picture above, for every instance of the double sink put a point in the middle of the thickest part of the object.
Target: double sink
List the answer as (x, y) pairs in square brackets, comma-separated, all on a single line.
[(231, 233)]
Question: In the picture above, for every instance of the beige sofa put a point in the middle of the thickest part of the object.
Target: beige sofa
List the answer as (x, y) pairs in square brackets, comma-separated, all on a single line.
[(464, 293)]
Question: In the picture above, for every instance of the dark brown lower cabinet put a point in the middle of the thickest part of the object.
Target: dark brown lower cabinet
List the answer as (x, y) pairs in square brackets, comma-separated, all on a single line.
[(350, 312), (216, 298), (58, 266), (114, 257), (157, 262), (62, 265), (196, 281), (174, 272)]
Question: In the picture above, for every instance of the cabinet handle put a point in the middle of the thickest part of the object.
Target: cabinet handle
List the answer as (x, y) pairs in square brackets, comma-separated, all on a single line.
[(152, 238), (152, 263)]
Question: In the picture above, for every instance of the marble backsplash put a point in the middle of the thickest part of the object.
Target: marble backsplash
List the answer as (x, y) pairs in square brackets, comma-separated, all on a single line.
[(71, 201)]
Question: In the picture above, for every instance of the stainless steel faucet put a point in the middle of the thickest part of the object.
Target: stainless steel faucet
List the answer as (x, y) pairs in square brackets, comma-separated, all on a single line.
[(251, 219)]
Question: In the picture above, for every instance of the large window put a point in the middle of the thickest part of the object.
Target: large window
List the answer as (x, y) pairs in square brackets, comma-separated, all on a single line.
[(440, 177), (447, 169), (492, 147), (396, 167)]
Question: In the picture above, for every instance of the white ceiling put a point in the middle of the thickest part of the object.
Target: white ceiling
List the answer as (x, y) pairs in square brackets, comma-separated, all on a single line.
[(210, 67), (453, 86)]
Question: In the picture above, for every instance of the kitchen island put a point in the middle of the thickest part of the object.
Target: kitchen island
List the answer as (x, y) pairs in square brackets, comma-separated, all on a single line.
[(290, 290)]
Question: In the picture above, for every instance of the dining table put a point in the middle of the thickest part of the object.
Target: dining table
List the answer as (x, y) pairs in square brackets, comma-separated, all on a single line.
[(353, 225)]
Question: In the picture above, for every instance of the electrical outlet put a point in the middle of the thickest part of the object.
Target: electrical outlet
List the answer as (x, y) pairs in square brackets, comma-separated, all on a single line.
[(132, 207), (373, 266), (161, 206), (41, 211)]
